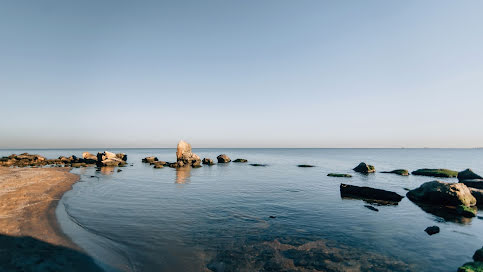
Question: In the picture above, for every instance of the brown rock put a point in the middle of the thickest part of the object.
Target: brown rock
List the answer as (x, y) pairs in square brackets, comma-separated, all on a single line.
[(442, 193), (223, 158)]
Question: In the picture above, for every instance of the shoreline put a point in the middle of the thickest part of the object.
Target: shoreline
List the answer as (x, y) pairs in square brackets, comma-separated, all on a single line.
[(30, 235)]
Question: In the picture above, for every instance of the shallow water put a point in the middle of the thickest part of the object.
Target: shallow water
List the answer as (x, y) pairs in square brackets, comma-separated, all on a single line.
[(218, 217)]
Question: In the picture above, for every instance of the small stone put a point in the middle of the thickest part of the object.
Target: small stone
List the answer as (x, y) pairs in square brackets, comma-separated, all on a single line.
[(432, 230)]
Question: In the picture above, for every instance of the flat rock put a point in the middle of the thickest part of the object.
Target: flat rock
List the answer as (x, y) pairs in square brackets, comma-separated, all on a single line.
[(401, 172), (439, 173), (339, 175), (369, 193), (240, 160)]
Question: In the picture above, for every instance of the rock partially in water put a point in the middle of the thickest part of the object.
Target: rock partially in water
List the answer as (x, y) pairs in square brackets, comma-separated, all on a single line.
[(474, 183), (466, 211), (372, 208), (468, 174), (151, 159), (258, 164), (208, 161), (305, 165), (364, 168), (107, 158), (240, 160), (223, 158), (369, 193), (432, 230), (401, 172), (476, 265), (442, 193), (339, 175), (89, 158), (439, 173), (478, 194), (185, 157)]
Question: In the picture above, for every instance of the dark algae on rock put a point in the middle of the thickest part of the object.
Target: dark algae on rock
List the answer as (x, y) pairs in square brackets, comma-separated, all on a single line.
[(439, 173), (364, 168), (401, 172)]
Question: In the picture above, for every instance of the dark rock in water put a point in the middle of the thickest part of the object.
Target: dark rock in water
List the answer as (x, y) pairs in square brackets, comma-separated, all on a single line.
[(442, 193), (150, 159), (440, 173), (119, 170), (466, 211), (258, 164), (305, 165), (271, 216), (240, 160), (468, 174), (432, 230), (478, 194), (369, 193), (208, 161), (339, 175), (401, 172), (364, 168), (476, 265), (406, 189), (371, 208), (474, 183), (223, 158), (478, 256)]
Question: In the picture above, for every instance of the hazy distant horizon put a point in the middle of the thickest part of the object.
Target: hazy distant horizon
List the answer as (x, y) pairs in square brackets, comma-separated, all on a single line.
[(321, 74)]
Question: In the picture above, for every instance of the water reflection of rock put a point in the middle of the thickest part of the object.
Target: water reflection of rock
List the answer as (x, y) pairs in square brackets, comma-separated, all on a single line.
[(448, 214), (291, 255), (183, 174), (106, 170)]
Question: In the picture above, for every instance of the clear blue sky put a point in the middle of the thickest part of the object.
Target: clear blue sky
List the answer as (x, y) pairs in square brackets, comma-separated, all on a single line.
[(241, 73)]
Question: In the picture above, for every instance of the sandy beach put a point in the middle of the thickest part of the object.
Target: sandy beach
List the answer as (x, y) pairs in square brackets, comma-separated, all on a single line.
[(30, 237)]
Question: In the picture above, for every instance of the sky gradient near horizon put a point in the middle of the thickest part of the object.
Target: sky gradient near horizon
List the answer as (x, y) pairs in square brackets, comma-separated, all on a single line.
[(241, 73)]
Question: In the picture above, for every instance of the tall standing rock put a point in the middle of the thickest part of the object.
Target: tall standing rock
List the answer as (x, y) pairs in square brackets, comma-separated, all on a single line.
[(185, 157)]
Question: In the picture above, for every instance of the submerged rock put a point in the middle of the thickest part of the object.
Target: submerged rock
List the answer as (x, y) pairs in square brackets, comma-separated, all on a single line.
[(442, 193), (339, 175), (468, 174), (401, 172), (439, 173), (240, 160), (185, 156), (432, 230), (223, 158), (364, 168), (369, 193), (208, 161)]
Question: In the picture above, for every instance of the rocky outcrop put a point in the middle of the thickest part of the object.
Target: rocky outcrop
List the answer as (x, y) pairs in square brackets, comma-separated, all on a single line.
[(185, 156), (339, 175), (468, 174), (107, 158), (401, 172), (240, 160), (369, 193), (223, 158), (432, 230), (89, 158), (442, 193), (151, 159), (364, 168), (439, 173), (208, 161)]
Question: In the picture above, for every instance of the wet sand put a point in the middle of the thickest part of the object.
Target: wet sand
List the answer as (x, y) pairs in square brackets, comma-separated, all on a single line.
[(30, 237)]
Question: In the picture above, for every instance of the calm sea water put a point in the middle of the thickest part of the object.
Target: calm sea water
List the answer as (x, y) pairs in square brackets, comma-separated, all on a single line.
[(218, 217)]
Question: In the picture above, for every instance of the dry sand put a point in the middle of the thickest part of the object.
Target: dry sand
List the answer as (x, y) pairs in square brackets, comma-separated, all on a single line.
[(30, 237)]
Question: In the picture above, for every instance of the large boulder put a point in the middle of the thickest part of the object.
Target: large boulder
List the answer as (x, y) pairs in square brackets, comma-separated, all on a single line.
[(442, 193), (468, 174), (223, 158), (364, 168), (369, 193), (439, 173), (184, 155)]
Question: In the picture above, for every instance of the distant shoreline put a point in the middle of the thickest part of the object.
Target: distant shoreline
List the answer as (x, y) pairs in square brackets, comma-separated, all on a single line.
[(29, 228)]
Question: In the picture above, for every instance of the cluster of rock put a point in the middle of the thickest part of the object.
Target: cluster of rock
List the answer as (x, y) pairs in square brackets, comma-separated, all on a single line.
[(105, 158)]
